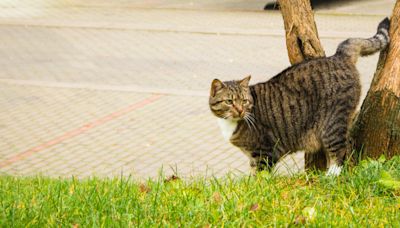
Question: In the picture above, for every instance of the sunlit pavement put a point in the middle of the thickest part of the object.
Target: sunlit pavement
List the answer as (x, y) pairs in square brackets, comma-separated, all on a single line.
[(111, 89)]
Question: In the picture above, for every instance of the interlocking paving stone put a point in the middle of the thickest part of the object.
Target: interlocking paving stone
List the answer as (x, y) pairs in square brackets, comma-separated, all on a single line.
[(162, 133), (143, 59), (96, 88)]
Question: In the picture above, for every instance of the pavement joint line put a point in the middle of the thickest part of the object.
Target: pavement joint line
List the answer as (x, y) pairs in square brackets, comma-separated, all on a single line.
[(244, 11), (115, 88), (145, 30), (80, 130), (222, 33)]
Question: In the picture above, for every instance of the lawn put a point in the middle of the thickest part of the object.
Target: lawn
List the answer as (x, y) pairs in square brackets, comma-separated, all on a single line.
[(367, 195)]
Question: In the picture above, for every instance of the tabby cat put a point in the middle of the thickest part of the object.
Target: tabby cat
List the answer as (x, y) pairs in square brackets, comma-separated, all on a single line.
[(306, 107)]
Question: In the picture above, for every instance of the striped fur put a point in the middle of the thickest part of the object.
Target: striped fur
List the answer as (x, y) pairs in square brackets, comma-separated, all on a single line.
[(354, 47), (306, 107)]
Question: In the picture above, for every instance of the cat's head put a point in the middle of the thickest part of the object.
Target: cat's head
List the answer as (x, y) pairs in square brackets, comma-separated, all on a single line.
[(232, 99)]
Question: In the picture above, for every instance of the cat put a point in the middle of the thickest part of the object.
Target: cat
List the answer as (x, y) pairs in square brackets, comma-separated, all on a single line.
[(308, 106)]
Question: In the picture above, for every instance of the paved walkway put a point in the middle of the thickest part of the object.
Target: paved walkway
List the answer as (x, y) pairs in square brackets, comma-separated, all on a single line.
[(116, 89)]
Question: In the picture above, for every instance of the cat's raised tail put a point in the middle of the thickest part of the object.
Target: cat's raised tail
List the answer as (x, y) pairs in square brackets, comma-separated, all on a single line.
[(354, 47)]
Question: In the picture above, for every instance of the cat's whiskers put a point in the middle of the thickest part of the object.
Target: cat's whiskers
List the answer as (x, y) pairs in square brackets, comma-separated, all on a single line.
[(250, 121), (250, 115), (253, 121)]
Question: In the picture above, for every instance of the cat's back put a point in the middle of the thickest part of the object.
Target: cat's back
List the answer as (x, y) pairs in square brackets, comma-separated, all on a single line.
[(301, 99), (332, 66), (320, 77)]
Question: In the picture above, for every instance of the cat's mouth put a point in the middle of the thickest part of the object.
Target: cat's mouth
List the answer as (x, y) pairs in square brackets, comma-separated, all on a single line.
[(235, 117), (241, 115), (231, 118)]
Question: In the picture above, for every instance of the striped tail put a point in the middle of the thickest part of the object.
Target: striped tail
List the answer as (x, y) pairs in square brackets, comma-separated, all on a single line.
[(354, 47)]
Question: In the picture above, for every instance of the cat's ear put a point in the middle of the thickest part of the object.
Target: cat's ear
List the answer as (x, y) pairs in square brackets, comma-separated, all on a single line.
[(216, 85), (245, 81)]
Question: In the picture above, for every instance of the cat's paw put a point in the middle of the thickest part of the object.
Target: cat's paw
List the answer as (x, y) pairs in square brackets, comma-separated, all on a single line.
[(253, 171), (334, 170)]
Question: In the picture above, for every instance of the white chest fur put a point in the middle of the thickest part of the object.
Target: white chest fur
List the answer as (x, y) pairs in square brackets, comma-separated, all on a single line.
[(227, 127)]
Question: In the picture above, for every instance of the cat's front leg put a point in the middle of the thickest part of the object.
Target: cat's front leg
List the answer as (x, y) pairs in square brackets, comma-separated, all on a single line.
[(259, 161)]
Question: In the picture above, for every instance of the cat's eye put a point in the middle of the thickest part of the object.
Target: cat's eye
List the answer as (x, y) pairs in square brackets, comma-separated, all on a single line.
[(229, 101), (246, 102)]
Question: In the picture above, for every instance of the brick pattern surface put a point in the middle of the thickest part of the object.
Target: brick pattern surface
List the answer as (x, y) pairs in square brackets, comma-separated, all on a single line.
[(110, 89), (174, 132)]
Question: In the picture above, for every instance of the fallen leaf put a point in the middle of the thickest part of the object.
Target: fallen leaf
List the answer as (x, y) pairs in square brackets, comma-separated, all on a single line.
[(144, 188), (309, 213), (171, 178), (388, 181), (217, 197), (254, 207), (392, 184), (382, 159), (284, 195), (240, 206), (72, 189), (300, 183), (300, 220)]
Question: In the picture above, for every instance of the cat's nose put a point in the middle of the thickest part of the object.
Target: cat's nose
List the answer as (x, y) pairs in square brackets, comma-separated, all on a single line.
[(241, 113)]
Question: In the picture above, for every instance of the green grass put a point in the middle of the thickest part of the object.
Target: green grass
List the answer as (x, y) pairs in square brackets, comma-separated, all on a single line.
[(361, 196)]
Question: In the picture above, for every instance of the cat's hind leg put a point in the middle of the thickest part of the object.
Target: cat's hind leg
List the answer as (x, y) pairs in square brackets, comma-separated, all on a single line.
[(335, 143), (335, 156)]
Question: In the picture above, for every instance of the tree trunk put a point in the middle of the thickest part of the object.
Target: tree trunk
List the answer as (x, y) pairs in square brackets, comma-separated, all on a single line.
[(377, 128), (303, 43), (302, 39)]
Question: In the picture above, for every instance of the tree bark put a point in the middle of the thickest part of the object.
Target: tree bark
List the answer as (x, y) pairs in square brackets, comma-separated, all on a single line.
[(303, 43), (377, 128), (301, 32)]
